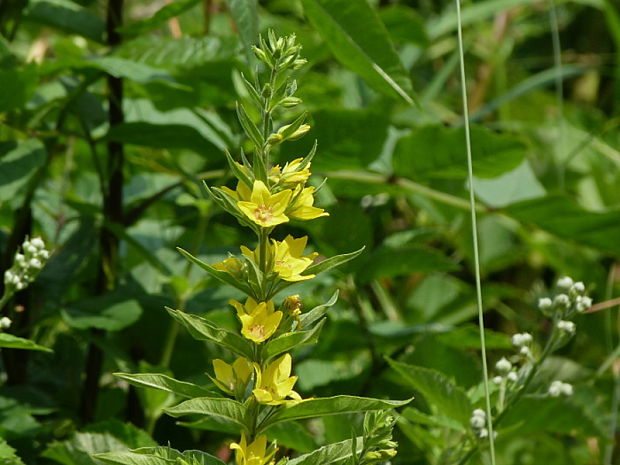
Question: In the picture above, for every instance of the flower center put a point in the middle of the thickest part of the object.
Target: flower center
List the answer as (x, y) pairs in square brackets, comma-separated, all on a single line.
[(263, 213), (258, 331)]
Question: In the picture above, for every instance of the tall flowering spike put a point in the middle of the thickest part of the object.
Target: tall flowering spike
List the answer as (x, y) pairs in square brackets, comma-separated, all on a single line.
[(274, 385), (266, 209), (255, 453)]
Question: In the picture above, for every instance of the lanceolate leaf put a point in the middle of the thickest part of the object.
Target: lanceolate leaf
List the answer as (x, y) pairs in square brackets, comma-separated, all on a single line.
[(164, 383), (13, 342), (308, 318), (203, 330), (219, 275), (331, 406), (158, 456), (289, 341), (358, 38), (162, 15), (212, 406), (245, 14), (330, 453), (439, 392)]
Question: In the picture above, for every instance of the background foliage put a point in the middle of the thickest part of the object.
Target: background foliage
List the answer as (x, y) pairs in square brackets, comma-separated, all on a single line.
[(113, 114)]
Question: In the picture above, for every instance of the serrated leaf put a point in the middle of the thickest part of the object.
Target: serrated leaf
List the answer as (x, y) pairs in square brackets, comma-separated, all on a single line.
[(204, 330), (164, 383), (289, 341), (211, 406), (441, 394), (312, 408), (437, 152), (358, 38)]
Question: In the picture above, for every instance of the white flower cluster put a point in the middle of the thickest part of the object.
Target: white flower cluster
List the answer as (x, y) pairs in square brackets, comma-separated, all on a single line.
[(571, 298), (478, 422), (26, 265), (566, 327), (522, 341), (558, 388), (504, 368)]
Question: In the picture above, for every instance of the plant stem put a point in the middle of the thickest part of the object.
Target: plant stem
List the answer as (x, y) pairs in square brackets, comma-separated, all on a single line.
[(474, 230)]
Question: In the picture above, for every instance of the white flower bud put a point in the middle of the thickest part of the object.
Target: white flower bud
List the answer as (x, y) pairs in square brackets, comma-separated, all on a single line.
[(20, 259), (35, 263), (526, 338), (479, 413), (38, 243), (8, 276), (5, 322), (545, 303), (29, 248), (525, 351), (521, 339), (565, 282), (503, 366), (583, 303), (578, 288), (477, 422), (512, 376), (497, 380), (20, 285), (43, 254), (558, 388), (566, 326), (561, 300), (483, 433)]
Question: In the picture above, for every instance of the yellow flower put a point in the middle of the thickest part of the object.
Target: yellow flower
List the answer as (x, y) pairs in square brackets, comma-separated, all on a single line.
[(230, 378), (255, 453), (274, 384), (243, 192), (231, 265), (302, 207), (288, 261), (290, 174), (266, 209), (258, 320)]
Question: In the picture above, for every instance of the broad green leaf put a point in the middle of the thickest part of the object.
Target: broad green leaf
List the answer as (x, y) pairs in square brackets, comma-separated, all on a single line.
[(158, 456), (211, 406), (162, 15), (358, 38), (9, 341), (19, 160), (421, 418), (440, 393), (18, 85), (7, 455), (389, 262), (79, 449), (203, 330), (245, 14), (164, 383), (561, 216), (333, 262), (404, 24), (131, 70), (312, 408), (330, 453), (221, 276), (109, 312), (289, 341), (67, 16), (439, 152), (512, 187)]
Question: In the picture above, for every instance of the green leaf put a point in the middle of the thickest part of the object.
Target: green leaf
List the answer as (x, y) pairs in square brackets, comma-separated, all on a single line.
[(162, 15), (511, 187), (158, 456), (404, 24), (211, 406), (19, 160), (79, 449), (358, 38), (389, 262), (18, 85), (245, 14), (164, 383), (203, 330), (111, 312), (312, 408), (9, 341), (308, 318), (332, 262), (415, 416), (221, 276), (131, 70), (330, 453), (67, 16), (7, 454), (441, 394), (289, 341), (438, 152), (564, 218)]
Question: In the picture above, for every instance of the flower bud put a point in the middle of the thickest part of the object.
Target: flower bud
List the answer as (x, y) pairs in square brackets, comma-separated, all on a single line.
[(545, 303), (567, 327), (561, 301), (477, 422), (498, 380), (578, 288), (5, 322), (565, 282), (503, 366), (35, 263), (38, 243), (512, 376), (583, 303)]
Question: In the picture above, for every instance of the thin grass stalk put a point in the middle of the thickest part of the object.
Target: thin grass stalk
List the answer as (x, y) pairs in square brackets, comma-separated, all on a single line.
[(474, 231), (559, 90)]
